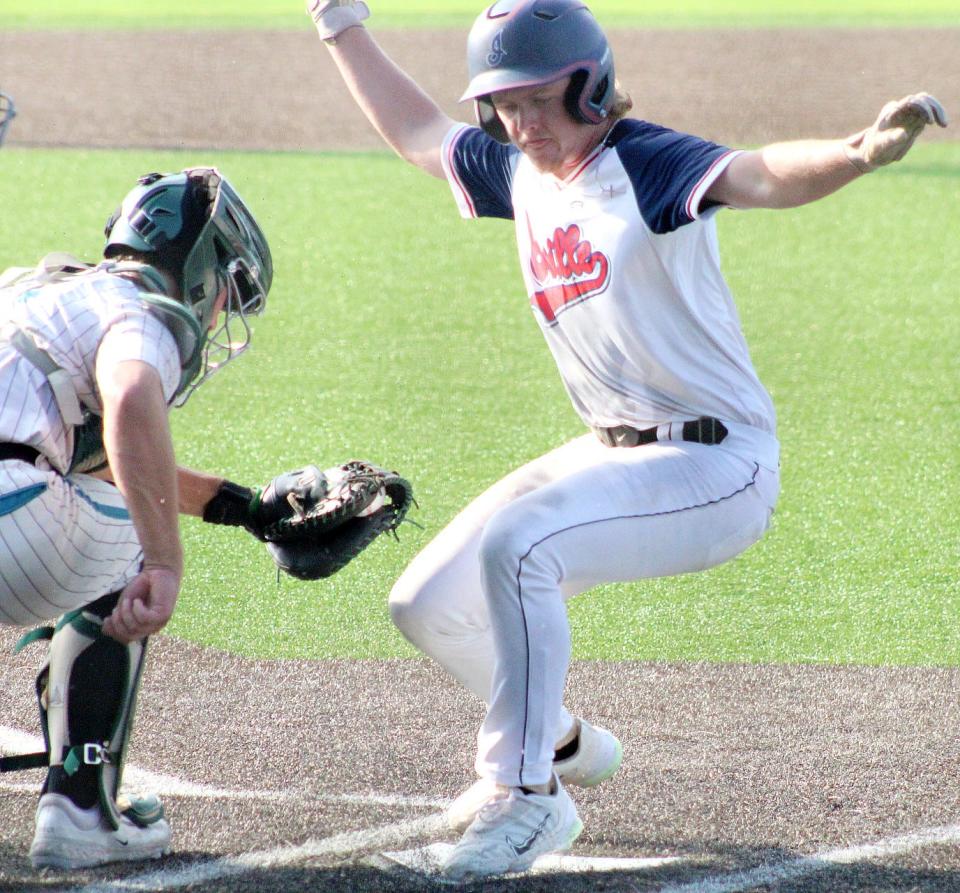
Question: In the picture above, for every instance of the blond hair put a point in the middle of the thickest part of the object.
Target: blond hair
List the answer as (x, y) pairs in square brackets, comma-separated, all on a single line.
[(622, 103)]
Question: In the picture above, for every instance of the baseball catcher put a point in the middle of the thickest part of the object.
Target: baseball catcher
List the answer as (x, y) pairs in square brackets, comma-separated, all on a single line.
[(314, 522), (93, 357)]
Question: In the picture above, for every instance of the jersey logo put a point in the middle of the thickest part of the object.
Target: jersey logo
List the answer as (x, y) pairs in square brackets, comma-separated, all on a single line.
[(497, 52), (568, 269)]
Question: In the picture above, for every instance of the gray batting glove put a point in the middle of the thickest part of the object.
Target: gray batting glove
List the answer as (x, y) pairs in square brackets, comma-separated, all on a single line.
[(333, 17), (892, 134)]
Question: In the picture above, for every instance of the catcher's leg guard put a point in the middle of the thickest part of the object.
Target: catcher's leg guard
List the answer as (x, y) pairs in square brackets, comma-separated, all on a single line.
[(87, 703)]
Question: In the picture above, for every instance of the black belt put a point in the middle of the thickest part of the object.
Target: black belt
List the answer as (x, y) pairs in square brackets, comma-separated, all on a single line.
[(705, 430), (19, 451)]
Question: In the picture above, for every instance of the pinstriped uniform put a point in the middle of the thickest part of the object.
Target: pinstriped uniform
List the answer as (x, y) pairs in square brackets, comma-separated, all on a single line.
[(67, 539)]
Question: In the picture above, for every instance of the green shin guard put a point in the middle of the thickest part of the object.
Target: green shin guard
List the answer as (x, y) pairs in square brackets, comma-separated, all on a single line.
[(90, 697)]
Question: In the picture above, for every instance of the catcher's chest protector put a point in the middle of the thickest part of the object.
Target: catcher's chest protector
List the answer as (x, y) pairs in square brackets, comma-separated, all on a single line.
[(89, 454)]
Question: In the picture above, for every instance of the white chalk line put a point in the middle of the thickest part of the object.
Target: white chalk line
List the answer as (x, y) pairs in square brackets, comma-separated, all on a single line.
[(13, 741), (345, 844), (734, 882), (428, 860)]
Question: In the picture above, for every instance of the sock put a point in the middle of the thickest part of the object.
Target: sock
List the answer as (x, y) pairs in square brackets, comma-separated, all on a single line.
[(550, 793), (567, 751), (82, 787)]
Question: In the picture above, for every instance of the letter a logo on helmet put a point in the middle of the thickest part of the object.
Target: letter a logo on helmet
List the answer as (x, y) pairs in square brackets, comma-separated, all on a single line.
[(548, 40)]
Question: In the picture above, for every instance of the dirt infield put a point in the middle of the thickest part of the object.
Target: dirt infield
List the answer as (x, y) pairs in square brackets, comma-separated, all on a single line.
[(278, 90), (726, 768), (297, 775)]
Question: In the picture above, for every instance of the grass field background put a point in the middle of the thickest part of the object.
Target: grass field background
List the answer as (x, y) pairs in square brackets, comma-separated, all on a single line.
[(403, 336), (459, 13)]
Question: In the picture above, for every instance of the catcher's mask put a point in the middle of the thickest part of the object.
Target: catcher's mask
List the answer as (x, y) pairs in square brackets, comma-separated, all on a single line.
[(195, 226), (527, 43), (7, 113)]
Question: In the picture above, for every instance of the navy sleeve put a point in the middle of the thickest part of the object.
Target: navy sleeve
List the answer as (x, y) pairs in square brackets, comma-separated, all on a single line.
[(665, 168), (484, 171)]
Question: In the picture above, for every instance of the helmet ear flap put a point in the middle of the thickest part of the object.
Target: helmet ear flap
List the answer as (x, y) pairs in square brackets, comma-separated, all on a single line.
[(587, 109), (571, 99), (489, 120), (583, 110)]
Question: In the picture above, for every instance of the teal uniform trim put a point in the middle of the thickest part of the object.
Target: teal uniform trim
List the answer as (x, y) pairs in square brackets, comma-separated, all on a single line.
[(10, 502), (116, 512), (35, 635)]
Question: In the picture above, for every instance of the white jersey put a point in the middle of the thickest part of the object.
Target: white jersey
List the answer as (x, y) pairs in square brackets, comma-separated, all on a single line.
[(66, 539), (84, 323), (622, 269)]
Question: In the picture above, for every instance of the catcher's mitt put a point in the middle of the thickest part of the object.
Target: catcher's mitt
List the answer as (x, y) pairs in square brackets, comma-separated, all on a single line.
[(314, 522)]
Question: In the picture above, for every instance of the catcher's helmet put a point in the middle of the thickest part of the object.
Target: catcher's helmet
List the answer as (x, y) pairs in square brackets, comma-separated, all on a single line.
[(7, 112), (193, 225), (525, 43)]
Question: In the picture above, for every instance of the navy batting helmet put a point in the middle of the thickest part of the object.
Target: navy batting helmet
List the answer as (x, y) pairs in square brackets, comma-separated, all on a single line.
[(525, 43), (7, 111)]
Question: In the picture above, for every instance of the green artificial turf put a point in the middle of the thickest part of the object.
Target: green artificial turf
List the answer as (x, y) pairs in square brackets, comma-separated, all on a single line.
[(460, 13), (398, 333)]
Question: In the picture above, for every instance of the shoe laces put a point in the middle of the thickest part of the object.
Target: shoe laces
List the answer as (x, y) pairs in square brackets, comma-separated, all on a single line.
[(492, 809), (520, 811)]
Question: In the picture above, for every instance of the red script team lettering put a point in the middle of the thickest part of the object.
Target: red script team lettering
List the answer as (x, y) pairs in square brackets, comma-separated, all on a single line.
[(578, 272)]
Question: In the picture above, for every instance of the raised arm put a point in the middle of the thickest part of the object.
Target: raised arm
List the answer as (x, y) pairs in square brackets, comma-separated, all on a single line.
[(410, 122), (784, 175)]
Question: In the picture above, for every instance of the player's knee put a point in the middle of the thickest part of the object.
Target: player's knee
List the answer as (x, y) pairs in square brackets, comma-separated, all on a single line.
[(511, 546), (415, 602), (404, 610)]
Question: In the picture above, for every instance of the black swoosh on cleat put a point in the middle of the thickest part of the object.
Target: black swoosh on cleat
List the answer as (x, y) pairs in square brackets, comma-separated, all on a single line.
[(525, 845)]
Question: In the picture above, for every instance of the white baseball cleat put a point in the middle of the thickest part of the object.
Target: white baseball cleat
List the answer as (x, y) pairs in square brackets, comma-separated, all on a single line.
[(597, 757), (463, 810), (69, 837), (510, 833)]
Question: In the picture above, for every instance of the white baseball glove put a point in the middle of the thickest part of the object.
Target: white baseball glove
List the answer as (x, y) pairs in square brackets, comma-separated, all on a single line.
[(333, 17), (892, 134)]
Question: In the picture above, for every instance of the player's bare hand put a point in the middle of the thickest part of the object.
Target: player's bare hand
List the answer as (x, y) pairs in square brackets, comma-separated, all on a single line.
[(333, 17), (893, 133), (145, 605)]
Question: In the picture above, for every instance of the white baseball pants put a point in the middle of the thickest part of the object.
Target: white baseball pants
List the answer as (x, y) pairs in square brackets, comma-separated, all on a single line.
[(486, 598), (63, 542)]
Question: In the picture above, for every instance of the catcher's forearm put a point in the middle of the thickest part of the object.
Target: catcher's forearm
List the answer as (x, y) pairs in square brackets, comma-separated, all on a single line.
[(136, 436), (196, 489), (232, 504)]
